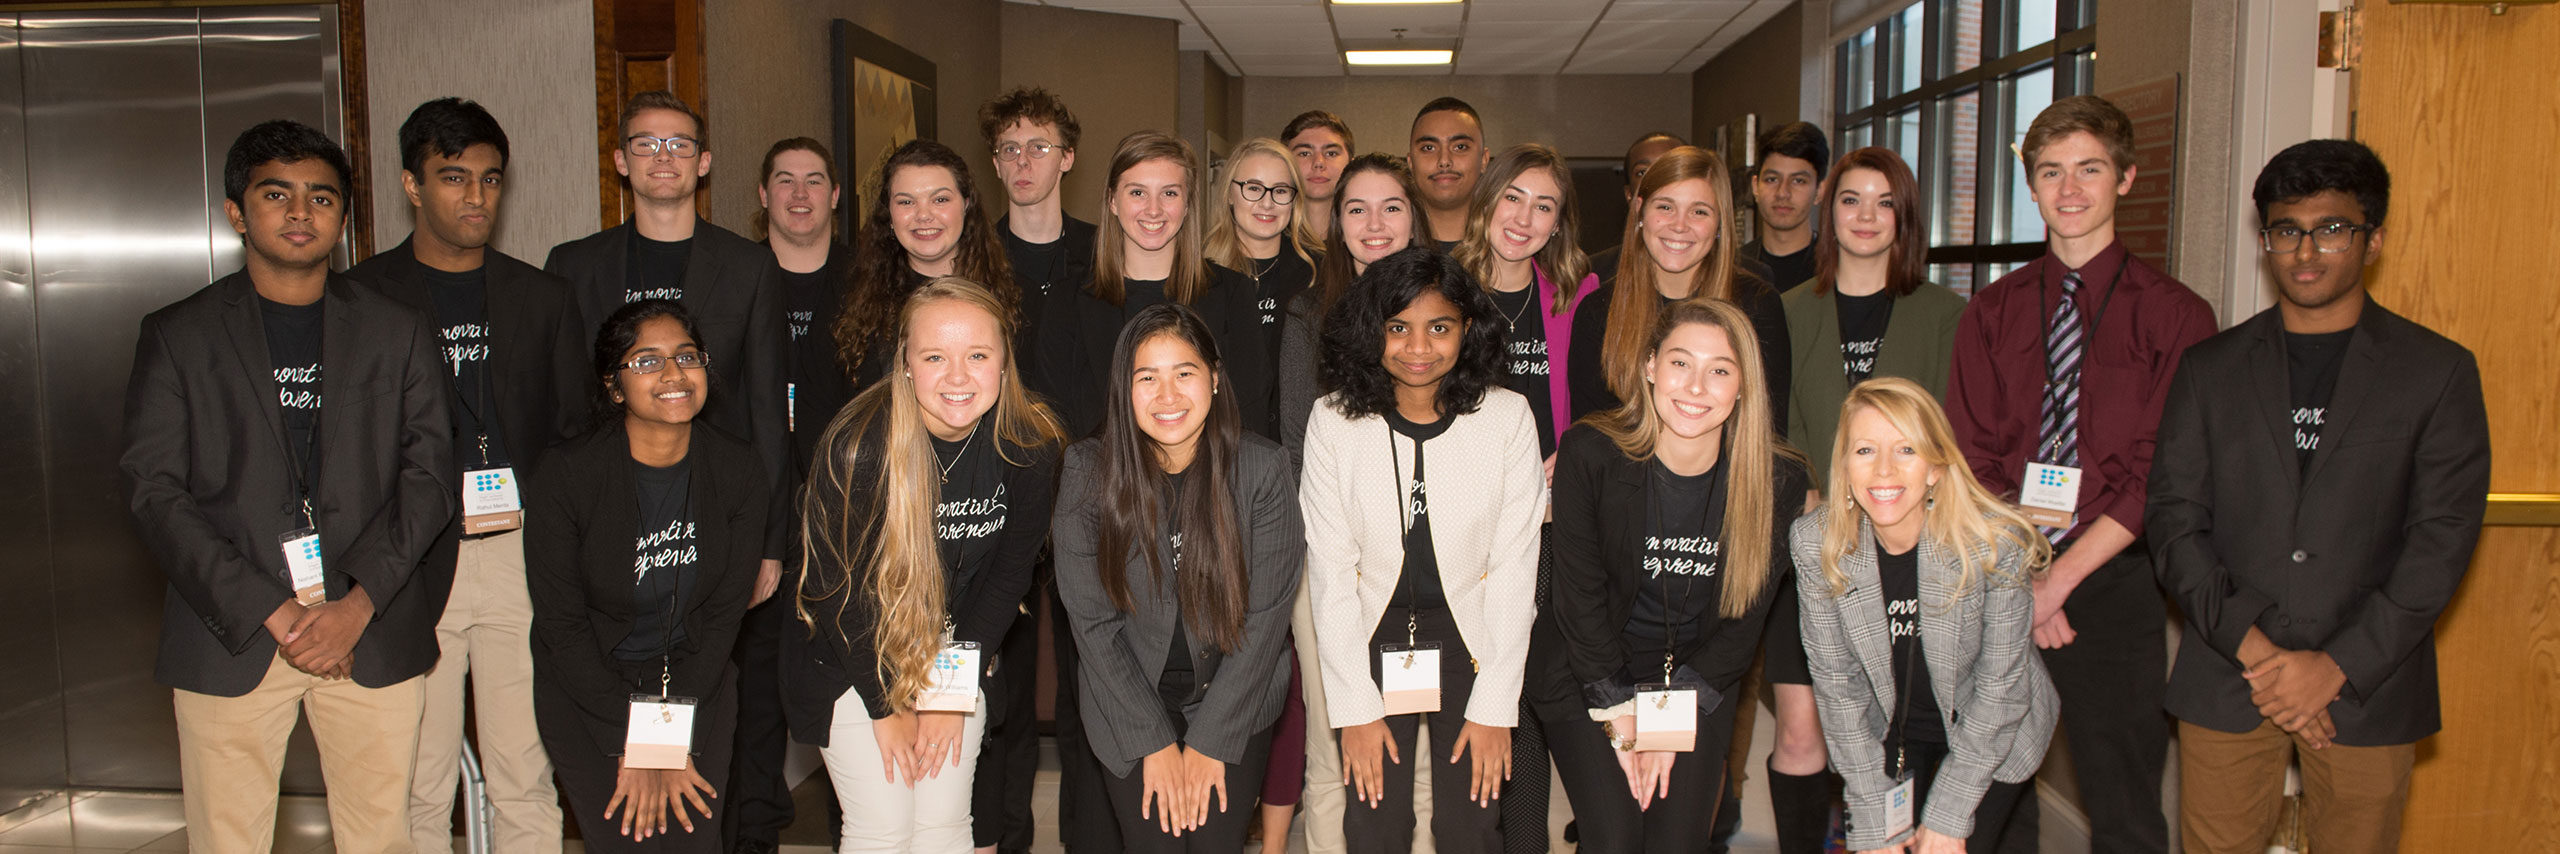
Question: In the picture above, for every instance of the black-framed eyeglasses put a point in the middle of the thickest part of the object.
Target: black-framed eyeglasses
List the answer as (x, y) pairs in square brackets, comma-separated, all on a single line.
[(679, 147), (1253, 191), (1038, 149), (2326, 237), (691, 360)]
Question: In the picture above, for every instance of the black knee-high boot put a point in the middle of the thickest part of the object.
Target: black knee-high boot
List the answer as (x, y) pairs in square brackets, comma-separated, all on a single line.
[(1802, 806)]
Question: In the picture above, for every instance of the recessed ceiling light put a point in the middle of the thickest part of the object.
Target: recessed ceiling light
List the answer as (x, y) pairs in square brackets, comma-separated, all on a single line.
[(1397, 57)]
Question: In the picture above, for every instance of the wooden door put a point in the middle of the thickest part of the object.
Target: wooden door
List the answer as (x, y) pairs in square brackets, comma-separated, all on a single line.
[(643, 45), (2464, 106)]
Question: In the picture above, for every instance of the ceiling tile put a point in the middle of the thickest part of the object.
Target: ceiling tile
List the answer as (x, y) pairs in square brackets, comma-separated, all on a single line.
[(1542, 10), (1672, 36), (1379, 22), (1260, 16), (1624, 62)]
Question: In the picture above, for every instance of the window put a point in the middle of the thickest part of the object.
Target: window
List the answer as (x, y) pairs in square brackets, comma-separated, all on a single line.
[(1951, 86)]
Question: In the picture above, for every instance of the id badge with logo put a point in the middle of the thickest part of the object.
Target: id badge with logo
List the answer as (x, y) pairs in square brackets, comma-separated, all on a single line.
[(1667, 717), (489, 501), (2050, 495), (952, 684), (660, 733), (1409, 677), (1897, 807), (302, 565)]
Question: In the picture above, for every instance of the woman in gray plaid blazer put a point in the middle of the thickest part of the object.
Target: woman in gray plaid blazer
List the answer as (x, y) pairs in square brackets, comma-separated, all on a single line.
[(1917, 611)]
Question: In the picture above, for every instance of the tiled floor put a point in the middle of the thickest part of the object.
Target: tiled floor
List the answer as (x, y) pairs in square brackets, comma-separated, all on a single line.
[(121, 822)]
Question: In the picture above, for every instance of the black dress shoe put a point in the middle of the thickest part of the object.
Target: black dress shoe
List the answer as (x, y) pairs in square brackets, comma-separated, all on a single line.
[(751, 846)]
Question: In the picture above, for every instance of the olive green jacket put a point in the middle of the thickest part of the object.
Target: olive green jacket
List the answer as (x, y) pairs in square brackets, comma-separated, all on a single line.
[(1919, 345)]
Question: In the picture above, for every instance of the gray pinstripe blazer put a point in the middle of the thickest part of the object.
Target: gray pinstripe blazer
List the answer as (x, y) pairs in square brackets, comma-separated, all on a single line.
[(1999, 705)]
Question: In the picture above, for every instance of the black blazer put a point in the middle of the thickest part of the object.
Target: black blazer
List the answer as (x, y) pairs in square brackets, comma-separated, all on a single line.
[(1234, 695), (733, 288), (578, 554), (540, 377), (211, 486), (1578, 644), (820, 663), (2355, 558)]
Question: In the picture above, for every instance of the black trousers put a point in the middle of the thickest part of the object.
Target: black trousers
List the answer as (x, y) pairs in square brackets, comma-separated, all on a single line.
[(1085, 825), (1225, 831), (1524, 796), (588, 778), (2004, 821), (758, 800), (1000, 801), (2112, 681), (1458, 825), (1605, 813)]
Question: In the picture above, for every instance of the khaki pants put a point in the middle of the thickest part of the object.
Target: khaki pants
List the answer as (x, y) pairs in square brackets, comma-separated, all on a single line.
[(483, 636), (231, 752), (2231, 791), (1320, 806)]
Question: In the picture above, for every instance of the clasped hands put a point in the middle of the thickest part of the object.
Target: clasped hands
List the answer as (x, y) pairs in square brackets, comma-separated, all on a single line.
[(321, 639), (2293, 687)]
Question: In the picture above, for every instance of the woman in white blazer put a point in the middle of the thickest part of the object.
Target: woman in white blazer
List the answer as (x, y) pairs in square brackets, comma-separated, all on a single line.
[(1437, 580), (1917, 612)]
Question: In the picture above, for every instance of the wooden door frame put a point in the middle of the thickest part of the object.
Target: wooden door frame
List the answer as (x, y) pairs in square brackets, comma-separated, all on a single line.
[(629, 31)]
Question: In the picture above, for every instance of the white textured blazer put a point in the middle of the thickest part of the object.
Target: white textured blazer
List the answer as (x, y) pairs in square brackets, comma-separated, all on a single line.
[(1488, 493)]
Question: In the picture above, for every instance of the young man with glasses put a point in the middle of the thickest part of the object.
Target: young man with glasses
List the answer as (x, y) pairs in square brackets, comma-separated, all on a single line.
[(289, 461), (515, 347), (2060, 370), (2323, 469), (1032, 138), (728, 283)]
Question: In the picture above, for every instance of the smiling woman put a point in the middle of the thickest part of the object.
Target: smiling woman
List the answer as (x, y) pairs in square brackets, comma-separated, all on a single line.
[(924, 219)]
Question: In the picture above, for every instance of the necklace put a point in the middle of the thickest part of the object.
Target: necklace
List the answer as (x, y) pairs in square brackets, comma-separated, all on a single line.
[(1528, 297), (1256, 275), (955, 458)]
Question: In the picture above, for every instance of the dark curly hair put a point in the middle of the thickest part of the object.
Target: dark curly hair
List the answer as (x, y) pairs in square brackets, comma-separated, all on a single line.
[(621, 330), (881, 278), (1355, 337), (2307, 168)]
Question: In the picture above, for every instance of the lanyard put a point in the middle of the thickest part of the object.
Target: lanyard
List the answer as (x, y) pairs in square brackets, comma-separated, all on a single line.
[(478, 413), (1899, 735), (2087, 337), (675, 593), (1406, 513), (300, 463), (1661, 479)]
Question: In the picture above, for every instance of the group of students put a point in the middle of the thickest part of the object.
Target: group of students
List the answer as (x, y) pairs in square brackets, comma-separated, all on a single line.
[(1365, 448)]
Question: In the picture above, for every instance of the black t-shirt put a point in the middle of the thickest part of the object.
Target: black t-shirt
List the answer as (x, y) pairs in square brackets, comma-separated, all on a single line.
[(1682, 557), (293, 351), (462, 326), (1900, 574), (1526, 370), (656, 268), (1175, 683), (1276, 281), (2311, 368), (807, 297), (969, 511), (1043, 269), (1785, 271), (1862, 324), (664, 562), (1419, 587)]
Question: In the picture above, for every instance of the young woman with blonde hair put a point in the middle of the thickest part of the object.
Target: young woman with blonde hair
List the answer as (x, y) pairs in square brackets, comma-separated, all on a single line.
[(1670, 524), (924, 511), (1918, 607), (1258, 227)]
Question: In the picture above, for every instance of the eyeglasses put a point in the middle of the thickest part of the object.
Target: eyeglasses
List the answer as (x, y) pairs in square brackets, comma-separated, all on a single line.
[(2326, 237), (679, 147), (1253, 191), (691, 360), (1038, 149)]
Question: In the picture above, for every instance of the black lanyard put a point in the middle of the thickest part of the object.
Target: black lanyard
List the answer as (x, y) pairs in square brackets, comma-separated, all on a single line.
[(480, 411), (1663, 479), (1899, 735), (675, 596), (2089, 333), (301, 463), (1406, 514)]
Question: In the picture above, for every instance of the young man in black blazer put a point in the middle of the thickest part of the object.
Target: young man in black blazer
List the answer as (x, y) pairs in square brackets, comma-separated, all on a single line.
[(729, 283), (2321, 477), (512, 343), (288, 456)]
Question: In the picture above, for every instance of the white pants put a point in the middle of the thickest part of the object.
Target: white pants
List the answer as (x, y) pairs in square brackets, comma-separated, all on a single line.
[(930, 816)]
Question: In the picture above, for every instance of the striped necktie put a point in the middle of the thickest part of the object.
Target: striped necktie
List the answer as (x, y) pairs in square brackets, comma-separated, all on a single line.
[(2058, 439)]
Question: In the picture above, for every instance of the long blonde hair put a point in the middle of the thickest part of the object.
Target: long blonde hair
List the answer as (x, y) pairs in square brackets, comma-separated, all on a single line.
[(1223, 246), (905, 592), (1632, 312), (1190, 277), (1561, 260), (1751, 448), (1959, 517)]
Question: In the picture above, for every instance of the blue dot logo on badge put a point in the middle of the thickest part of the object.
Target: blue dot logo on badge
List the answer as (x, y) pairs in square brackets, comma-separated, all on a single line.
[(311, 549), (2051, 477), (487, 482)]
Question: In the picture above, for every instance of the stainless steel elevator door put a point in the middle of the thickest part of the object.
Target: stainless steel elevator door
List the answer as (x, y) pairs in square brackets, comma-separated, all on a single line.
[(127, 117)]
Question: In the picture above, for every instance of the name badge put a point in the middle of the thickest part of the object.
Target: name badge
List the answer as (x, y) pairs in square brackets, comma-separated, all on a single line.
[(302, 565), (1897, 807), (1409, 677), (660, 733), (2050, 495), (952, 684), (490, 502), (1667, 717)]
